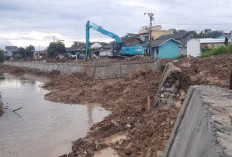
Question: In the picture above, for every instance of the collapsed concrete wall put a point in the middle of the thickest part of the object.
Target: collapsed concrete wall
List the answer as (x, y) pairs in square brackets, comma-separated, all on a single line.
[(203, 127), (168, 90), (96, 71)]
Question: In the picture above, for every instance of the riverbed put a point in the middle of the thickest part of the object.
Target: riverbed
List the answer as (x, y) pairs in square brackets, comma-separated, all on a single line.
[(41, 127)]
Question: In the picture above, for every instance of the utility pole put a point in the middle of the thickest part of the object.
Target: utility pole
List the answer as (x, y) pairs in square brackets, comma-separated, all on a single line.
[(150, 30)]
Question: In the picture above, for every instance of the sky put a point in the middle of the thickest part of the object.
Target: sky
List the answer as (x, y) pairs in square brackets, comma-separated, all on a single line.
[(38, 22)]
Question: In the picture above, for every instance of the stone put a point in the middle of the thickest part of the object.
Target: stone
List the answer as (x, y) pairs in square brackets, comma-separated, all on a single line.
[(128, 126), (159, 153), (178, 104), (115, 123), (182, 95)]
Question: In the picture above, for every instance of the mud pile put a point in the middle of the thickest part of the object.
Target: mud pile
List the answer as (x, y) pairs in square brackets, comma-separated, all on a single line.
[(214, 70), (11, 69), (127, 99)]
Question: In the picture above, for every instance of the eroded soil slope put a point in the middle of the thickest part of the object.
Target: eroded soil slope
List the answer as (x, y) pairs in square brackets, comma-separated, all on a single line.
[(214, 70)]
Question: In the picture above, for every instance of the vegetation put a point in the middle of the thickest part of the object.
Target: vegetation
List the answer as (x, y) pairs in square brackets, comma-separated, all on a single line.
[(1, 55), (208, 33), (216, 51), (130, 37), (55, 48), (78, 44), (24, 53)]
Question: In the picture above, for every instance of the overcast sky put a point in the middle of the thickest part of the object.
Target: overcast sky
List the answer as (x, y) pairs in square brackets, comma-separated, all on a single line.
[(35, 22)]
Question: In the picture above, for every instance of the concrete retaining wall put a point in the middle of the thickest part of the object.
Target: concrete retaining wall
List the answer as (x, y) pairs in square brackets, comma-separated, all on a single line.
[(98, 71), (203, 127)]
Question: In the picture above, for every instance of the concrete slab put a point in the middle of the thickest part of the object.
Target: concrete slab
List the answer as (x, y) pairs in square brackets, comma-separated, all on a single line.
[(106, 72), (127, 69), (203, 127)]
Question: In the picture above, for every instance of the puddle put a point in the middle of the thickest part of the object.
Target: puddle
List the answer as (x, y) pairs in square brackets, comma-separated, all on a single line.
[(115, 138), (108, 152), (41, 128)]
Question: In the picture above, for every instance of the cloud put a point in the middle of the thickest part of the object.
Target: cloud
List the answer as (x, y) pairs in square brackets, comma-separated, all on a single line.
[(34, 20)]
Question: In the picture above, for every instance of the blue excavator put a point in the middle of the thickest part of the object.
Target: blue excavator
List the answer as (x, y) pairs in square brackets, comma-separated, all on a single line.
[(119, 48)]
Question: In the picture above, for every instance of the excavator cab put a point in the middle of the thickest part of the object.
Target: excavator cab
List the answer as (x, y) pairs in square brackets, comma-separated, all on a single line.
[(117, 47)]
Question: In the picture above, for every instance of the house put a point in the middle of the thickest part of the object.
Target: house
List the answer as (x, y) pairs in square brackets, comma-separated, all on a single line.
[(40, 54), (156, 32), (225, 35), (106, 50), (194, 46), (164, 48), (10, 49), (182, 37)]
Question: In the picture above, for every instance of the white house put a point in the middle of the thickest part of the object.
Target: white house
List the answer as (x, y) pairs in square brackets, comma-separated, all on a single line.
[(194, 45)]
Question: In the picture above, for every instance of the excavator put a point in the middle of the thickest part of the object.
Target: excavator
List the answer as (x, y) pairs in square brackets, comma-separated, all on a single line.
[(119, 48)]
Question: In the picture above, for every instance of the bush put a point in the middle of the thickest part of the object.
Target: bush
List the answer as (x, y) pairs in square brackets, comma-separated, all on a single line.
[(18, 56), (1, 56), (6, 57), (216, 51)]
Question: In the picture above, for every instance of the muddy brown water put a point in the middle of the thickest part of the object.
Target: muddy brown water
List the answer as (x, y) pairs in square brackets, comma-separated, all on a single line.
[(41, 128)]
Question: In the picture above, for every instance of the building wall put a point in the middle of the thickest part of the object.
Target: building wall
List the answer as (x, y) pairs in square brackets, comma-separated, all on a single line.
[(193, 47), (156, 32), (169, 50)]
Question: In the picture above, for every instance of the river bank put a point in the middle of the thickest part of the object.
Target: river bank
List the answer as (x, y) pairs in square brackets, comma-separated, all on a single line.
[(147, 130)]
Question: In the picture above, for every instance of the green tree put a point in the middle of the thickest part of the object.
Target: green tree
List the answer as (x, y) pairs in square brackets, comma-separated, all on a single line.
[(130, 37), (78, 44), (1, 55), (29, 51), (55, 48), (20, 53), (208, 33)]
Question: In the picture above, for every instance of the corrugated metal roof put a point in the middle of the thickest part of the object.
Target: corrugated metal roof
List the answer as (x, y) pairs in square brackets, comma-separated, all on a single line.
[(159, 42), (175, 36), (211, 40)]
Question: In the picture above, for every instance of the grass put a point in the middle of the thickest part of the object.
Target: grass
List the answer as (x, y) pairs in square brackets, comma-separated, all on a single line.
[(216, 51)]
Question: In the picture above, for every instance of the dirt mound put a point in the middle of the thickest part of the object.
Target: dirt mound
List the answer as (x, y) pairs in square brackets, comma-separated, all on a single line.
[(125, 97), (213, 70), (11, 69)]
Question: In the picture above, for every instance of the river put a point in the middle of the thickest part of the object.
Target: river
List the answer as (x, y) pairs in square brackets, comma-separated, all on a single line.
[(41, 128)]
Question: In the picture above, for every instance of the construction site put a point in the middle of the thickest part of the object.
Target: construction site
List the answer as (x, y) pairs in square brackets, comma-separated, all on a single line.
[(160, 107), (164, 90)]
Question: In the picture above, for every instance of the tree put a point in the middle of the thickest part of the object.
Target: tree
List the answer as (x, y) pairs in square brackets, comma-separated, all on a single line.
[(78, 44), (208, 33), (1, 55), (29, 51), (20, 53), (55, 48), (130, 37)]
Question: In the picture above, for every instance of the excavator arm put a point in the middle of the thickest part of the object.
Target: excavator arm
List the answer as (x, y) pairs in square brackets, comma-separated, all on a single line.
[(116, 47)]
